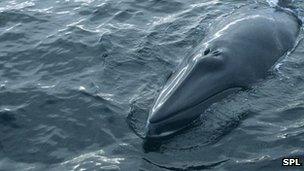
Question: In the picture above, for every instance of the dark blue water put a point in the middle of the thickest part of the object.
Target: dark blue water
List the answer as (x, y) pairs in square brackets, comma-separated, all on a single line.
[(77, 78)]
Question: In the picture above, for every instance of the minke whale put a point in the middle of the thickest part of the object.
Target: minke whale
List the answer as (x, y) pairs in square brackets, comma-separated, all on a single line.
[(239, 51)]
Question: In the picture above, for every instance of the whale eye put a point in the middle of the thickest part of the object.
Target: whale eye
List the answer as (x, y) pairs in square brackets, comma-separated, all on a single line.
[(207, 51)]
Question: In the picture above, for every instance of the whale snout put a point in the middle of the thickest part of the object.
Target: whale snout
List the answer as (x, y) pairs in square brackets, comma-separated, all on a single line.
[(163, 124), (155, 131), (167, 127), (185, 96)]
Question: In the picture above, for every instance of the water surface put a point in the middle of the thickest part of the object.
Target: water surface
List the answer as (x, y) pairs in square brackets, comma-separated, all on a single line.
[(75, 73)]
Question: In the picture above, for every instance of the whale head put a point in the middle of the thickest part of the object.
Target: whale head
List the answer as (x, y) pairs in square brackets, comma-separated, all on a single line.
[(187, 93)]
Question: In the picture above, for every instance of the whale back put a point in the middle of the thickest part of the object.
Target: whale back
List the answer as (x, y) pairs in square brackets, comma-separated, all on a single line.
[(254, 41)]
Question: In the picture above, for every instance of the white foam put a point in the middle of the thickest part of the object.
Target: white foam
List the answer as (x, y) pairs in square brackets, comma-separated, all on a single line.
[(273, 3)]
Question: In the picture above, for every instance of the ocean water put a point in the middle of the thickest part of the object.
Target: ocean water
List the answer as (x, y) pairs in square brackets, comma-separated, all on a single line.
[(77, 78)]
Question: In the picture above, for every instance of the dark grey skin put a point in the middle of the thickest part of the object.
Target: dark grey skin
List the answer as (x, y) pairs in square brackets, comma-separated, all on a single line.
[(242, 49)]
